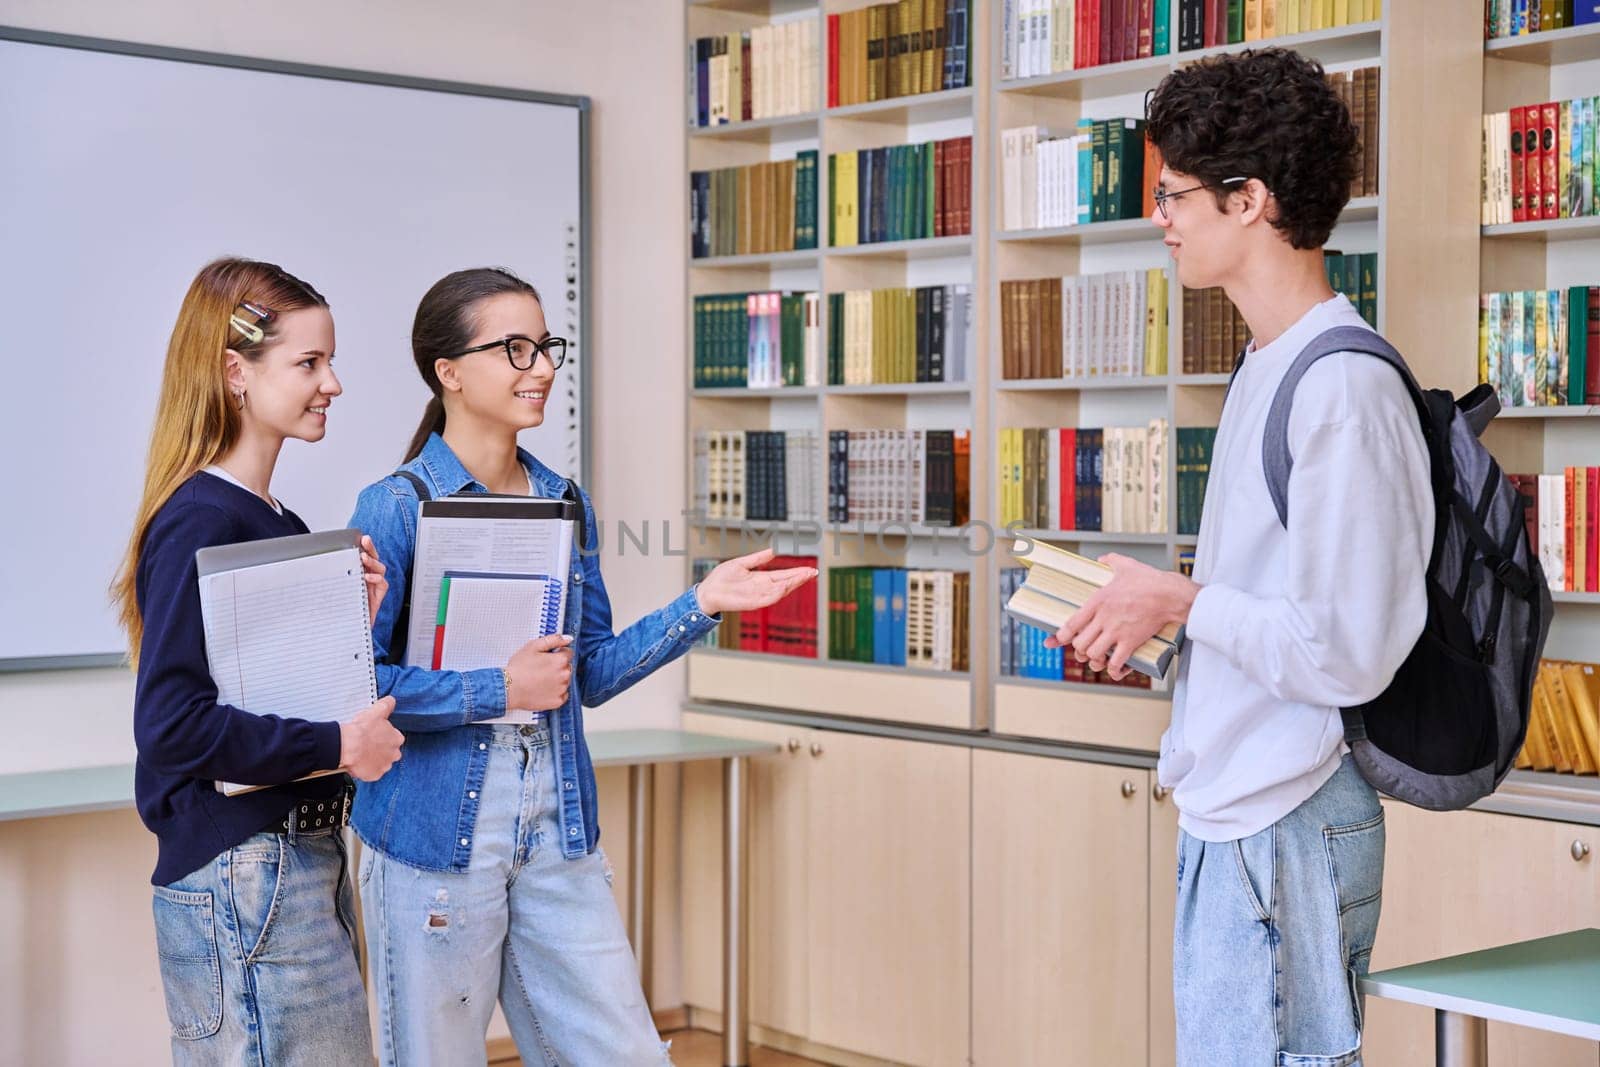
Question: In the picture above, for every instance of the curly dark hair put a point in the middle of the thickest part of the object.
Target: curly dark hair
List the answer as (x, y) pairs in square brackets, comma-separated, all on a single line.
[(1267, 114)]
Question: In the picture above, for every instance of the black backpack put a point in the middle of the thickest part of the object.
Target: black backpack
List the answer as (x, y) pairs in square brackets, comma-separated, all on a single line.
[(1449, 726)]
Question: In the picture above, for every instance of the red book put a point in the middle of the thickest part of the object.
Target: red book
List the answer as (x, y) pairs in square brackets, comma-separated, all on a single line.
[(1532, 164), (1591, 367), (1147, 28), (964, 184), (833, 60), (1068, 444), (1530, 502), (1216, 29), (938, 189), (1130, 29), (1080, 36), (746, 98), (1592, 534), (1105, 30), (1550, 149), (1571, 533), (1519, 209)]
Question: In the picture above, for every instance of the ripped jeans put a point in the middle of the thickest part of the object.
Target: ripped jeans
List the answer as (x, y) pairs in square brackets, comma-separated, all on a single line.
[(1272, 931), (540, 933)]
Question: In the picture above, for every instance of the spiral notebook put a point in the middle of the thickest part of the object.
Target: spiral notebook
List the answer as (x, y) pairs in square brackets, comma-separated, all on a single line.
[(287, 629), (484, 618)]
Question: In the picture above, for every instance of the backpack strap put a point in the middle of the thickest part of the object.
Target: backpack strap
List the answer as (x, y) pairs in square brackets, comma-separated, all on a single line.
[(402, 621), (1275, 457)]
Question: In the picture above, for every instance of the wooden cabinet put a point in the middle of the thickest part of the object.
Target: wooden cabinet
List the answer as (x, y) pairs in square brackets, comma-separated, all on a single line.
[(1463, 881), (1061, 938), (861, 851), (1163, 908)]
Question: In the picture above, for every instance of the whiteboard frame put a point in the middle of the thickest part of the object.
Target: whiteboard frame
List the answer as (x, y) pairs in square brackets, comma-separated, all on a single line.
[(582, 104)]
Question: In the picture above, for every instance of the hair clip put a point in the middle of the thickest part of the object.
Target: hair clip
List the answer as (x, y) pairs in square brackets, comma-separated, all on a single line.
[(251, 331)]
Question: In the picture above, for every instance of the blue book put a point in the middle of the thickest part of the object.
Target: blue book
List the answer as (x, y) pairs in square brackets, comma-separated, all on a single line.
[(897, 617), (882, 626), (1085, 171)]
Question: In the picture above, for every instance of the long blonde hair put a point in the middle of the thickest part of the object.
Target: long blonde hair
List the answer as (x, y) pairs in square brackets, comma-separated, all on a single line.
[(197, 421)]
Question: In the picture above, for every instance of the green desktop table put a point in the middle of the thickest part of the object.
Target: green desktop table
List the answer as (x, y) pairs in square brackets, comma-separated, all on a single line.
[(1552, 983)]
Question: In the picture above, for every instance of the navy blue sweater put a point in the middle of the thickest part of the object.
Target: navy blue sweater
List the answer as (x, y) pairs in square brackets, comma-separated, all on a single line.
[(187, 741)]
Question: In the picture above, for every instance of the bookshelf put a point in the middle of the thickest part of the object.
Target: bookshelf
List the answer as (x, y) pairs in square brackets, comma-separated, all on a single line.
[(1434, 259), (1553, 65)]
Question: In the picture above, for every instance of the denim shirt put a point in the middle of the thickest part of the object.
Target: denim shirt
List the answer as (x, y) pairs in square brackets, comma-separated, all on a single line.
[(424, 811)]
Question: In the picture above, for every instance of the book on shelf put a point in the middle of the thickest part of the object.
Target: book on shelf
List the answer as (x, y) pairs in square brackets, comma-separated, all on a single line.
[(1564, 719), (915, 477), (754, 210), (757, 475), (898, 49), (1517, 18), (1562, 512), (787, 628), (1023, 653), (900, 192), (1214, 333), (900, 336), (1541, 347), (761, 73), (898, 617), (1110, 480), (1193, 469), (1539, 162), (765, 340), (1097, 172), (1058, 583), (1084, 326)]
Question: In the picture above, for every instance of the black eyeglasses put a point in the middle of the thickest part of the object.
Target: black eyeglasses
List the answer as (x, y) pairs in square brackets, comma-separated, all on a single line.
[(522, 352), (1162, 196)]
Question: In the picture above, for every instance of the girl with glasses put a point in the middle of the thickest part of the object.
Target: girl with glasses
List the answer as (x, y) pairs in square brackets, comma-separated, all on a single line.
[(483, 880)]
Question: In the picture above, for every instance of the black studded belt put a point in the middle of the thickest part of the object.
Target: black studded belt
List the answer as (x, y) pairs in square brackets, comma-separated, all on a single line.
[(310, 816)]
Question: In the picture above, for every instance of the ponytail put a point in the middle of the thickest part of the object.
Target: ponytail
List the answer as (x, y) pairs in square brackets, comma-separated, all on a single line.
[(432, 423)]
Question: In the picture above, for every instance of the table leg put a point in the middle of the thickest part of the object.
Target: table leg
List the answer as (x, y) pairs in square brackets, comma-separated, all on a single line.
[(735, 913), (641, 869), (1460, 1040)]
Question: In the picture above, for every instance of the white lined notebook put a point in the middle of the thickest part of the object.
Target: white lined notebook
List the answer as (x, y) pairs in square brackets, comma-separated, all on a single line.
[(287, 629)]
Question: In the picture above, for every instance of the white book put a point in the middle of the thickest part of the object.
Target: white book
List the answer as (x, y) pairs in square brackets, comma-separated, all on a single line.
[(919, 476), (1010, 180), (1027, 142), (1553, 529), (1052, 448), (1156, 475), (943, 587), (287, 630)]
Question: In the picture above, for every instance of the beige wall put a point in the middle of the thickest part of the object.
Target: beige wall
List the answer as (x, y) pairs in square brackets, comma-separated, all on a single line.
[(76, 906)]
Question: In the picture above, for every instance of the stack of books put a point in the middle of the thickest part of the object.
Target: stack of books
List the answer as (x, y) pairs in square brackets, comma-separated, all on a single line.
[(1057, 586)]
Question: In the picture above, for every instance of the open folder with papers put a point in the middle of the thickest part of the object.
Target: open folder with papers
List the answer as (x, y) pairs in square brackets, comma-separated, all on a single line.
[(489, 575), (287, 629), (1058, 584)]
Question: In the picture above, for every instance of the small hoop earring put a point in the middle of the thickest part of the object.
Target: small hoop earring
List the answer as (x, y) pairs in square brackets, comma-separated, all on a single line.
[(238, 397)]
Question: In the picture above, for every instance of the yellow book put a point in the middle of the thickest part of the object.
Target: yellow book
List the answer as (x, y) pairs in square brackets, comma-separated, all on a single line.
[(1583, 688), (1252, 19), (1573, 731), (1341, 12), (1535, 746), (1554, 735), (908, 366), (1162, 293), (1305, 18), (1003, 454), (1320, 12), (1269, 18), (1289, 22)]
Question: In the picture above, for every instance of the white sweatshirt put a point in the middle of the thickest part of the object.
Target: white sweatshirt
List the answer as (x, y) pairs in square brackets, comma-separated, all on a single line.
[(1290, 626)]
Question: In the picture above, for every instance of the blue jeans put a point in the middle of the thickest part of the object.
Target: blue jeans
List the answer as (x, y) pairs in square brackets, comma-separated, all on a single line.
[(522, 923), (258, 957), (1272, 931)]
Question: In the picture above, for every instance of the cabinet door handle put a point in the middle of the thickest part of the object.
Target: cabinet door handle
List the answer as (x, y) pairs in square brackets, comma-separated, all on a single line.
[(794, 744), (1580, 851), (1128, 789), (816, 748), (1159, 791)]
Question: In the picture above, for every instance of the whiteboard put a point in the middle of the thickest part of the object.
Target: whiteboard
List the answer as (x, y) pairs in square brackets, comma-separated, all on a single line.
[(128, 167)]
